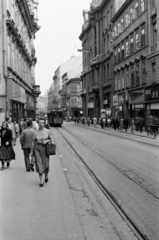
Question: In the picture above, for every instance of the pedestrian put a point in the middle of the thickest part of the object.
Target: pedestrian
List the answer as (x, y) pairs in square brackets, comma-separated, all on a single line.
[(15, 132), (22, 125), (6, 150), (43, 137), (35, 125), (137, 123), (95, 121), (126, 123), (27, 139), (141, 123), (121, 124), (47, 124), (88, 121), (132, 121)]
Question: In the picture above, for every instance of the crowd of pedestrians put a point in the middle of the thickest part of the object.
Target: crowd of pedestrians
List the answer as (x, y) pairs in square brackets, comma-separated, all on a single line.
[(123, 124), (33, 135)]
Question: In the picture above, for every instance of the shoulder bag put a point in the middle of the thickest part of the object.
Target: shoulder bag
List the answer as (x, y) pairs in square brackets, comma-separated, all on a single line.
[(50, 149)]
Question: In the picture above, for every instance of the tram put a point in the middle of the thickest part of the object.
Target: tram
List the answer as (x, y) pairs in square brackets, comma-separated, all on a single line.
[(55, 117)]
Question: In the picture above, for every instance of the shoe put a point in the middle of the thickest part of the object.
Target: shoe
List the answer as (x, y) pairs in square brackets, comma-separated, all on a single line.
[(41, 185), (2, 168), (8, 164), (28, 170), (32, 168), (46, 180)]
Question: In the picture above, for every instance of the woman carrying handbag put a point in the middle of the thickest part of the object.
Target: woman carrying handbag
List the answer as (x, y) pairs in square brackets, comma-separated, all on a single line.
[(6, 150), (43, 137)]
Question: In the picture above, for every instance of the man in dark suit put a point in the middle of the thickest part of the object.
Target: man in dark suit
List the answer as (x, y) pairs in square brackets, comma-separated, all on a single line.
[(27, 139)]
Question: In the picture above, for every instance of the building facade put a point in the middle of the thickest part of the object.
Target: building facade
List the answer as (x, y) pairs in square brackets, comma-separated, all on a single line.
[(71, 100), (18, 26), (42, 105), (136, 76), (73, 68), (97, 74)]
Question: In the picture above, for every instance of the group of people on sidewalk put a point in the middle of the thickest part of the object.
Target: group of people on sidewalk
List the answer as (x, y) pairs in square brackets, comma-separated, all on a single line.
[(33, 138)]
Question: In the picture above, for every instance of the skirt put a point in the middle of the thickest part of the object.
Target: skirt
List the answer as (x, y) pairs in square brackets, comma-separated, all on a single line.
[(41, 159), (7, 153)]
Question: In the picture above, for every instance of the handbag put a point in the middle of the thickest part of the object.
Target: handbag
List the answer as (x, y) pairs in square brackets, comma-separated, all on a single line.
[(50, 149)]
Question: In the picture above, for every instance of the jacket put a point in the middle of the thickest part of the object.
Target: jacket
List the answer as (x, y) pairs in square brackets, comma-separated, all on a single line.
[(6, 138), (27, 138)]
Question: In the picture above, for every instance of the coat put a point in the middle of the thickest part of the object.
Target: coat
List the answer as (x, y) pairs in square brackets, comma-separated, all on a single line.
[(6, 138), (27, 138)]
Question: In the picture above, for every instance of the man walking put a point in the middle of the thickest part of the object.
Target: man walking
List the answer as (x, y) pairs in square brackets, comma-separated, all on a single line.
[(27, 139)]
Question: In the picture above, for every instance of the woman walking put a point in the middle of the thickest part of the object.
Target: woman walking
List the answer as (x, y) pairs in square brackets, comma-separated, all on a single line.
[(43, 137), (6, 150)]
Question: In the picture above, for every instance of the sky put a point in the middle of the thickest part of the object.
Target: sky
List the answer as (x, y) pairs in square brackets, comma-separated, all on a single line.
[(58, 39)]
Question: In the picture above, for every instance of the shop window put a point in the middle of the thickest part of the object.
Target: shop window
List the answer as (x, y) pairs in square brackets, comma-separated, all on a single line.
[(116, 82), (137, 40), (122, 51), (153, 72), (119, 54), (143, 36), (132, 44), (137, 75), (132, 76), (127, 77), (137, 9), (119, 83), (142, 5), (143, 71), (122, 24), (127, 48)]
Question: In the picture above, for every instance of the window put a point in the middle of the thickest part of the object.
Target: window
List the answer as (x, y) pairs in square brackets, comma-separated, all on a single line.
[(122, 24), (115, 31), (131, 15), (126, 19), (107, 17), (127, 47), (153, 3), (119, 81), (143, 36), (131, 44), (142, 5), (132, 76), (8, 51), (143, 71), (137, 9), (115, 56), (154, 29), (116, 82), (137, 75), (107, 71), (137, 41), (104, 74), (111, 12), (127, 77), (122, 51), (123, 80), (13, 58), (119, 54), (153, 72)]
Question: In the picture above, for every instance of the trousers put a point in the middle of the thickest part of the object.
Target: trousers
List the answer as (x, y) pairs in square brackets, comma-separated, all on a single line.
[(27, 159)]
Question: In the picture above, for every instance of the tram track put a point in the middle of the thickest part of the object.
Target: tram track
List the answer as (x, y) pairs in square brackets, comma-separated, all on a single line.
[(137, 232), (108, 132), (117, 167)]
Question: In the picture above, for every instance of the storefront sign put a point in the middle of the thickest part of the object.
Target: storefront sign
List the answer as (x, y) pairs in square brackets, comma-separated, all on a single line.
[(103, 113), (115, 100), (121, 99), (91, 105), (136, 96), (152, 93)]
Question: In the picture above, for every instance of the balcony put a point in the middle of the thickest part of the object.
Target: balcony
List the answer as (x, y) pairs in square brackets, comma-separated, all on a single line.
[(95, 87), (83, 92), (36, 90)]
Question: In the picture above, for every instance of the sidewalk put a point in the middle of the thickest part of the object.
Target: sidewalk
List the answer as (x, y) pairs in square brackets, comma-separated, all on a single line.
[(137, 133), (28, 212)]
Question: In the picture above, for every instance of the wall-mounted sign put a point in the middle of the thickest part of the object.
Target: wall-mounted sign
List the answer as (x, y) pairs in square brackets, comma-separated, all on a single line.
[(105, 102), (115, 100), (136, 96), (18, 93), (152, 93), (91, 105), (121, 99), (30, 103)]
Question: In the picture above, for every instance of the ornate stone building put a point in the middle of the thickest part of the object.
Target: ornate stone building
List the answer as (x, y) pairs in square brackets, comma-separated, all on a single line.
[(18, 26), (97, 43)]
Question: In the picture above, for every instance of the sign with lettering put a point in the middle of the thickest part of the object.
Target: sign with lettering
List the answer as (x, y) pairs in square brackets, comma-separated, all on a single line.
[(136, 96), (152, 93), (115, 100)]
